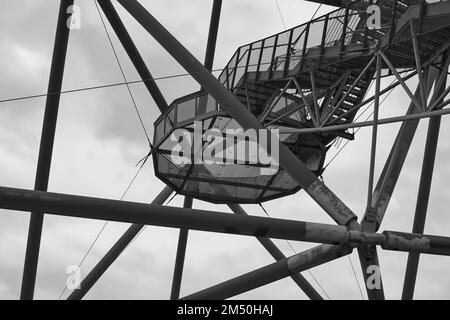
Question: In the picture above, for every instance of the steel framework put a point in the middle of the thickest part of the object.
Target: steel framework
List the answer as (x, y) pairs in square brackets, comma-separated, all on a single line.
[(321, 86)]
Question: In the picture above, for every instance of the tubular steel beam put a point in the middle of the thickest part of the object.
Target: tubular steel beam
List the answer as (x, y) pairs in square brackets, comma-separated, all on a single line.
[(133, 53), (183, 236), (181, 253), (307, 260), (439, 100), (418, 63), (408, 117), (423, 197), (212, 36), (276, 253), (368, 255), (128, 44), (314, 91), (164, 216), (397, 156), (212, 221), (46, 148), (270, 247), (368, 225), (439, 95), (422, 204), (305, 102), (211, 48), (271, 273), (302, 175), (114, 252)]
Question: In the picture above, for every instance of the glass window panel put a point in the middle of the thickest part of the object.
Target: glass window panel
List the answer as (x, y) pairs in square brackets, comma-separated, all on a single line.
[(280, 55), (171, 115), (211, 105), (254, 56), (169, 125), (315, 34), (186, 110), (298, 37), (159, 131)]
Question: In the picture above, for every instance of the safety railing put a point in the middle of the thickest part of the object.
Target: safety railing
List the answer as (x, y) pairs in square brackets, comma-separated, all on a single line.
[(184, 110), (282, 52)]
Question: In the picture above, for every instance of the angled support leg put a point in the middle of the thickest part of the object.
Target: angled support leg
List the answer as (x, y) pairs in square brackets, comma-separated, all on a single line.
[(314, 91), (181, 253), (183, 236), (113, 253), (423, 196), (368, 255), (46, 148)]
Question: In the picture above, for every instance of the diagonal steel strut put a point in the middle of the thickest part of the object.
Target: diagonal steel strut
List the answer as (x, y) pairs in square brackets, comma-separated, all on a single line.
[(423, 193), (46, 147), (114, 252), (133, 53)]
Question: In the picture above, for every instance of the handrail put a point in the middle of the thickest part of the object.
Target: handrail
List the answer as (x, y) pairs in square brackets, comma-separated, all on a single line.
[(285, 50), (289, 42)]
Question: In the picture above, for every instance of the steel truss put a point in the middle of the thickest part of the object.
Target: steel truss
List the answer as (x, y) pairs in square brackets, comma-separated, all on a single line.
[(336, 240)]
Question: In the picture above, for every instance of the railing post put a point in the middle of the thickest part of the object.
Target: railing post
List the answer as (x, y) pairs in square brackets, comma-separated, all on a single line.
[(366, 33), (273, 56), (212, 35), (250, 49), (421, 15), (288, 53), (180, 256), (258, 67), (393, 18), (305, 43), (344, 30), (133, 53), (235, 67), (227, 78), (324, 35)]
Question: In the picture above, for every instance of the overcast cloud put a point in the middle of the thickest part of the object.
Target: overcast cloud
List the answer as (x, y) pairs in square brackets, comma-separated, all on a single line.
[(99, 141)]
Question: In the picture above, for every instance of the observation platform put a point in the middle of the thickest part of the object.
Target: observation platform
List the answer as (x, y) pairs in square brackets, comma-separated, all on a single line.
[(313, 75)]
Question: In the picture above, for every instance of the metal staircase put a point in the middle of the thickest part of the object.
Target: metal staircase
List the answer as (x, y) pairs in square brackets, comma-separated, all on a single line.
[(318, 73)]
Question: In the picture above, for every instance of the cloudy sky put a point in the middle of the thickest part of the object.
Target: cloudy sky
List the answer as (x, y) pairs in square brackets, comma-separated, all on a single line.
[(99, 141)]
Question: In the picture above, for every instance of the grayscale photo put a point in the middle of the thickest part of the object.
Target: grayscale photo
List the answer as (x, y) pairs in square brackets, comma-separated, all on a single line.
[(239, 154)]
